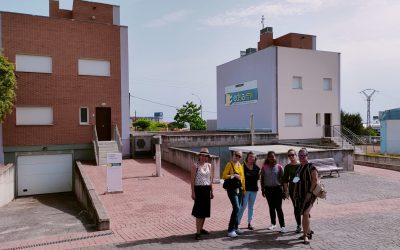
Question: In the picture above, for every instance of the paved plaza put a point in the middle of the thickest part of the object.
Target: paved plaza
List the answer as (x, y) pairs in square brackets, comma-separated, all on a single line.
[(362, 211)]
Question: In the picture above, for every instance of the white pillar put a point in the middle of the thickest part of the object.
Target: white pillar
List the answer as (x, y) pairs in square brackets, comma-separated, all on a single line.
[(158, 155)]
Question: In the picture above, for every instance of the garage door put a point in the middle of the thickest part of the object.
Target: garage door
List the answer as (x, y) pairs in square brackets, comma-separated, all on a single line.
[(41, 174)]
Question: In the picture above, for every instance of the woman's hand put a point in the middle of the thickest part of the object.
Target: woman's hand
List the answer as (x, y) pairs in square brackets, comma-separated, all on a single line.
[(193, 196), (236, 176), (211, 195)]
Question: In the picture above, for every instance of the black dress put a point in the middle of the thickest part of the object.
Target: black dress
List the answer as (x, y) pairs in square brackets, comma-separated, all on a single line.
[(304, 198)]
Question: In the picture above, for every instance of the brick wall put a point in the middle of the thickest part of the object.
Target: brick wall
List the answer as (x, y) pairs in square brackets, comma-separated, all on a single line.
[(89, 11), (65, 41)]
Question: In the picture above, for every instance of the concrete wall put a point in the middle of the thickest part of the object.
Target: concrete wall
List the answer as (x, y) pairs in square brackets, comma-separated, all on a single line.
[(312, 66), (390, 163), (343, 158), (1, 143), (212, 140), (7, 184), (87, 196), (186, 158), (260, 66), (81, 152)]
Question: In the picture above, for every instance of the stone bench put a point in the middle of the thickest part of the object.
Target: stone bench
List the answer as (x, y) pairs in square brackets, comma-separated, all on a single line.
[(325, 166)]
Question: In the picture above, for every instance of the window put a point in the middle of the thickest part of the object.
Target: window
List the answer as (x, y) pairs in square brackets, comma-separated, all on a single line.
[(296, 82), (327, 84), (318, 119), (293, 120), (83, 116), (94, 67), (34, 64), (34, 115)]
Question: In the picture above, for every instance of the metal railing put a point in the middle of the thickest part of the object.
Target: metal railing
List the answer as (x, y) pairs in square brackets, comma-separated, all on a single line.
[(353, 137), (96, 145), (117, 138)]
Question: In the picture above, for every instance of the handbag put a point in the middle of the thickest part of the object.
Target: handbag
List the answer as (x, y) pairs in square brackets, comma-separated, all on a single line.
[(231, 184), (319, 190)]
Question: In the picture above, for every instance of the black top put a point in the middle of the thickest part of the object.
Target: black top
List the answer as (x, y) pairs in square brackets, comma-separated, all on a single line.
[(251, 178), (304, 184)]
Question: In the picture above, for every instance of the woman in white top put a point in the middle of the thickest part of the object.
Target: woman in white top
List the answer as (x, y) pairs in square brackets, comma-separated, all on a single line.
[(202, 193)]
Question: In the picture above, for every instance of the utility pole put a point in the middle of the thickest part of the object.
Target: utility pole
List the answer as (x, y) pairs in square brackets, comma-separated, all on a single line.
[(369, 97)]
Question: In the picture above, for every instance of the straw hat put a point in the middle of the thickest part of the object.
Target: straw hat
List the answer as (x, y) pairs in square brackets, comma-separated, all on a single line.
[(204, 151)]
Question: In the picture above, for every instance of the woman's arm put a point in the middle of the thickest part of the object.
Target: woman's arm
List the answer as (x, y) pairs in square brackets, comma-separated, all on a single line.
[(212, 180), (314, 179), (227, 171)]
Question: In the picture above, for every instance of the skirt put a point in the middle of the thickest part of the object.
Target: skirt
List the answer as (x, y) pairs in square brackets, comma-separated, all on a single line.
[(202, 202)]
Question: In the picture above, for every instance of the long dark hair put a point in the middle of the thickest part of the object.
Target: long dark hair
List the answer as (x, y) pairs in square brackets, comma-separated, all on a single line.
[(266, 161)]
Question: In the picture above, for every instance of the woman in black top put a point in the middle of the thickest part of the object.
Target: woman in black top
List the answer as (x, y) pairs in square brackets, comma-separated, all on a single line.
[(252, 175), (303, 191)]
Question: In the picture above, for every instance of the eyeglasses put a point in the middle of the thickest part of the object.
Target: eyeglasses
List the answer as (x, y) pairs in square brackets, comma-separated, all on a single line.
[(238, 156), (302, 156), (291, 155)]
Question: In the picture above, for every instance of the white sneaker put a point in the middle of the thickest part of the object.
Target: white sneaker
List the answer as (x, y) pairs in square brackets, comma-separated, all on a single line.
[(232, 234), (238, 231), (272, 227), (283, 230)]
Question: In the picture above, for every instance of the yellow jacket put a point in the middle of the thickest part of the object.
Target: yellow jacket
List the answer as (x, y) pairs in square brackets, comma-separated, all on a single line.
[(231, 168)]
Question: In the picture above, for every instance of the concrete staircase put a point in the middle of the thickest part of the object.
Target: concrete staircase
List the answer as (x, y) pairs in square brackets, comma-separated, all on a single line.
[(343, 143), (104, 148)]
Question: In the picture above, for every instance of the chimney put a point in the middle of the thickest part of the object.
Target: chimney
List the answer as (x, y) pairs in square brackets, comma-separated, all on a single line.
[(54, 8), (266, 38)]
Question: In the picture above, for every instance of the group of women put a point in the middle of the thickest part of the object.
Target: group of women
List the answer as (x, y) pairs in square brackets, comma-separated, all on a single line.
[(295, 181)]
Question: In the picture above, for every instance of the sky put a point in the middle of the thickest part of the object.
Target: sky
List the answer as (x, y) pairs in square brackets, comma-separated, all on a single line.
[(176, 45)]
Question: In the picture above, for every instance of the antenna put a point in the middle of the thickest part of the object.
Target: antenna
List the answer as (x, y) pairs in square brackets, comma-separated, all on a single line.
[(262, 21), (369, 96)]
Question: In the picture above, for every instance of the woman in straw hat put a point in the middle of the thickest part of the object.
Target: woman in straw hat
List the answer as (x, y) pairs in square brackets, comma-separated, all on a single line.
[(202, 175)]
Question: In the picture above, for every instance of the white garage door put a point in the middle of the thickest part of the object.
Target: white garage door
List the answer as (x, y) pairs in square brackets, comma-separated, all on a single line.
[(41, 174)]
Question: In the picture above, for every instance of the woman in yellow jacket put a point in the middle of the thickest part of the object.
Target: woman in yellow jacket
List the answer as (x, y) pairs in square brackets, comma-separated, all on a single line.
[(234, 169)]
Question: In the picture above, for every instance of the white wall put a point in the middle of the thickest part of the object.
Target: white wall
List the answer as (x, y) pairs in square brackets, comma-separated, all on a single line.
[(7, 185), (393, 136), (1, 145), (260, 66), (312, 66), (125, 108)]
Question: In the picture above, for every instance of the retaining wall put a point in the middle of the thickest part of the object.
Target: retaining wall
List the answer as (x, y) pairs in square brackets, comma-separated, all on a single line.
[(185, 159), (87, 196), (384, 162), (7, 184)]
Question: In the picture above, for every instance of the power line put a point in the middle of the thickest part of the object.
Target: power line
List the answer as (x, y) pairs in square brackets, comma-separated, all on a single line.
[(163, 104)]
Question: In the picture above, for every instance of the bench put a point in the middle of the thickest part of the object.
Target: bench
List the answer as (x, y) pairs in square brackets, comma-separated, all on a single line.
[(325, 166)]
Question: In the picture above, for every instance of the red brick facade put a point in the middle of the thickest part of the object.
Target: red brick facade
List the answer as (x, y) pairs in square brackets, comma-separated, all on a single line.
[(66, 41), (291, 40)]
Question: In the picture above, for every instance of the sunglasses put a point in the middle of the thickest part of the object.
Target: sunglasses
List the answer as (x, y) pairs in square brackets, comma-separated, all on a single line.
[(291, 155), (238, 156), (302, 156)]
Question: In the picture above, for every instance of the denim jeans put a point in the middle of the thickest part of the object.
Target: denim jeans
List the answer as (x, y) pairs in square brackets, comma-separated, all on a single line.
[(236, 200), (250, 199)]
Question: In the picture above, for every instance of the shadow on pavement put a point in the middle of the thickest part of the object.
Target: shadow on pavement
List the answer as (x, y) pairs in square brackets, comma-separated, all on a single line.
[(260, 239)]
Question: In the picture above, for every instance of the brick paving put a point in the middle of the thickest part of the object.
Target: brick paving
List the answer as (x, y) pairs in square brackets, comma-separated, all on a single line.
[(362, 212)]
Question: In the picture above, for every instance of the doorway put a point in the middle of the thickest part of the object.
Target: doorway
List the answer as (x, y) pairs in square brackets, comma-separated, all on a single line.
[(103, 123), (328, 124)]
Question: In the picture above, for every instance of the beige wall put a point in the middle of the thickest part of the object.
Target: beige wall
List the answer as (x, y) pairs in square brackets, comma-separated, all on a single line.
[(312, 66)]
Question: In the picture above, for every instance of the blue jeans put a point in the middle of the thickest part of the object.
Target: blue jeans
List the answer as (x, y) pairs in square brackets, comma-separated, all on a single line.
[(250, 199), (236, 200)]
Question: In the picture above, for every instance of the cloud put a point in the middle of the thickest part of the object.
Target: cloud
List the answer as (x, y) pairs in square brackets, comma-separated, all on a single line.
[(245, 16), (169, 18)]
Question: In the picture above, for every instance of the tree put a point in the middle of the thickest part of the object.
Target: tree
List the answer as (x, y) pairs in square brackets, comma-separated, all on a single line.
[(141, 124), (8, 85), (190, 113), (352, 121)]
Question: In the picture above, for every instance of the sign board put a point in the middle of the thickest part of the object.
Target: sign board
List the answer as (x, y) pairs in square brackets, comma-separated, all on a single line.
[(242, 93), (158, 115), (114, 172)]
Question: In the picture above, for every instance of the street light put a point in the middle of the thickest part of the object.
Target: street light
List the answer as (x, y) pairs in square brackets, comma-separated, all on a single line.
[(201, 105)]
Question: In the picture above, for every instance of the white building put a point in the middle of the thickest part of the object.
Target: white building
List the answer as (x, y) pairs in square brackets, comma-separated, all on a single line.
[(291, 88)]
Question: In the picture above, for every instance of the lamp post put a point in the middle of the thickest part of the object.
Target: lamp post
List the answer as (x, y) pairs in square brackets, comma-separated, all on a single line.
[(201, 105)]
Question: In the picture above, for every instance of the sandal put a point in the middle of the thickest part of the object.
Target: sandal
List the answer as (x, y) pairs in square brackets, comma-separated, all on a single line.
[(203, 231), (197, 237), (306, 241)]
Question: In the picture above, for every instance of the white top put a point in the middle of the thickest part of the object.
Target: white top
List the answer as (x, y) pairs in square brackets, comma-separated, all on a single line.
[(203, 175)]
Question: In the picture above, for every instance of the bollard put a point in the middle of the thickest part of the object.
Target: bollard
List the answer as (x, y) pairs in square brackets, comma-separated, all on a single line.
[(157, 140)]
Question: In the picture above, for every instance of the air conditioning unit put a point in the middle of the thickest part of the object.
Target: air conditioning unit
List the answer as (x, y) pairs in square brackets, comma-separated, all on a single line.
[(142, 146)]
